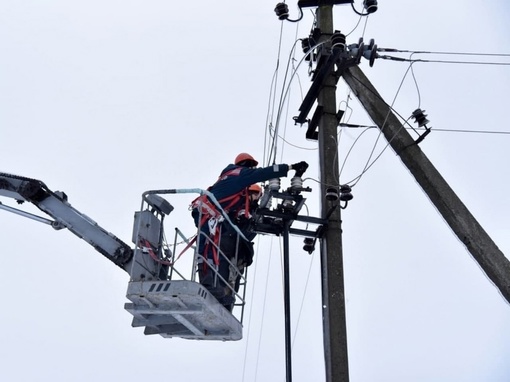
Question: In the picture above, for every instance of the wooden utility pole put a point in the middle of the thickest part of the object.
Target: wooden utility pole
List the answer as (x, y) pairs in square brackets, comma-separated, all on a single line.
[(333, 295), (457, 216)]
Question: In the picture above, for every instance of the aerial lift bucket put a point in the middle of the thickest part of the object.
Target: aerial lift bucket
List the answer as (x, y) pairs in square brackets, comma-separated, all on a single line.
[(162, 299), (180, 308)]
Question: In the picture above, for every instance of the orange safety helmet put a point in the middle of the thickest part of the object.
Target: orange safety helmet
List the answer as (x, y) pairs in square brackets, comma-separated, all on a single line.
[(254, 192), (255, 188), (245, 160)]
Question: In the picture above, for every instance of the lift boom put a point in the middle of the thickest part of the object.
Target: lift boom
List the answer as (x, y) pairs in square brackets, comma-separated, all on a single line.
[(55, 204)]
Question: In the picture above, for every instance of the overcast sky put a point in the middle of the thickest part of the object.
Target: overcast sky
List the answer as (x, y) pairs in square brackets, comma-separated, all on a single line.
[(107, 99)]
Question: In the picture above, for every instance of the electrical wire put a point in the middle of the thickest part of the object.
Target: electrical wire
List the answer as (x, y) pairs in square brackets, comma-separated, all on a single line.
[(281, 103), (257, 358), (320, 183), (358, 12), (469, 54), (272, 97), (368, 164), (468, 131), (291, 62), (416, 83), (251, 311), (393, 58), (410, 68), (299, 18), (350, 150), (355, 181), (340, 131), (272, 154), (415, 129), (287, 89), (355, 27), (445, 53), (346, 106), (294, 145), (274, 146), (302, 301), (364, 28), (412, 61)]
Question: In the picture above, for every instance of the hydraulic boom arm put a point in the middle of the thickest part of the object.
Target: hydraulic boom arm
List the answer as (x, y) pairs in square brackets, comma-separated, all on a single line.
[(65, 216)]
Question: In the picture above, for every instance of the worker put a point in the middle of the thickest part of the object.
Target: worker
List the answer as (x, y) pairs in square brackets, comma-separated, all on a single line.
[(231, 191), (243, 251)]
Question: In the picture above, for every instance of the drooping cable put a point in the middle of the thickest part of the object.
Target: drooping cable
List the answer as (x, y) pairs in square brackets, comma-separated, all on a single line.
[(251, 311), (355, 27), (368, 164), (257, 358), (283, 99), (274, 127), (291, 63), (272, 100), (272, 152), (416, 83), (355, 180), (365, 27), (361, 14), (296, 146), (302, 300), (350, 150), (286, 90)]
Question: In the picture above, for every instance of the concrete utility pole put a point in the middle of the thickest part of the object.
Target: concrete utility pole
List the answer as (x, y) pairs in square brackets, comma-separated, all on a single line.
[(464, 225), (333, 295)]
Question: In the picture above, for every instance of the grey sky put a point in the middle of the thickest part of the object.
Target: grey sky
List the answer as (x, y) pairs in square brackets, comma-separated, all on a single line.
[(107, 99)]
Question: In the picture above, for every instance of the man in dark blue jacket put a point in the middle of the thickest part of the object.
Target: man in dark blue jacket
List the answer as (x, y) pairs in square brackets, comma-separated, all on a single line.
[(231, 191)]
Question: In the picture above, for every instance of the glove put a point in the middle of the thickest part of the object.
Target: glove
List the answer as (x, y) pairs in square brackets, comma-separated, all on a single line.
[(300, 168)]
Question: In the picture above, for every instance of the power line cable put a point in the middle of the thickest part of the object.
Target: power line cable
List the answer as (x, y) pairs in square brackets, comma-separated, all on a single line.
[(361, 14), (296, 146), (257, 358), (286, 92), (468, 131), (364, 27), (443, 52), (416, 83), (406, 122), (302, 300), (355, 27), (355, 180), (272, 98), (436, 129), (351, 148), (251, 311), (367, 165), (281, 102), (393, 58), (286, 86), (291, 63)]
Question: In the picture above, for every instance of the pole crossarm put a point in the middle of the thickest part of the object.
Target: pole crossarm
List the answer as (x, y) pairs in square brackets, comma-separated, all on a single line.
[(483, 249)]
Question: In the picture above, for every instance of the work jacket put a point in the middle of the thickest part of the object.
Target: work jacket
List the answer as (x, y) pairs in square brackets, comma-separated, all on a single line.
[(234, 179)]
